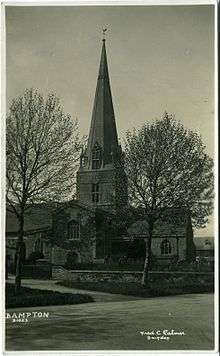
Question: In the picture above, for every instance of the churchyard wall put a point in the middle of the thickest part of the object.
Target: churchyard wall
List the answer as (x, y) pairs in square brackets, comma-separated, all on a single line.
[(60, 273)]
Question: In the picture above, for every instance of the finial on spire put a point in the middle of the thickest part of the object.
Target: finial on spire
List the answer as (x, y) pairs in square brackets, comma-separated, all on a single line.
[(104, 30)]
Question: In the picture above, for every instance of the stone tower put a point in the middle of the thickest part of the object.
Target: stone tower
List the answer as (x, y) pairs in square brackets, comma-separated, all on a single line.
[(101, 180)]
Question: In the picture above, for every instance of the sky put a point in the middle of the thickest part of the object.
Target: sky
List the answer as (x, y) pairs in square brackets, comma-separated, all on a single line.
[(161, 58)]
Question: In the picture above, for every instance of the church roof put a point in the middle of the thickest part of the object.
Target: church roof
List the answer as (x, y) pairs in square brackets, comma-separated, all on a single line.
[(38, 217), (103, 127), (172, 223)]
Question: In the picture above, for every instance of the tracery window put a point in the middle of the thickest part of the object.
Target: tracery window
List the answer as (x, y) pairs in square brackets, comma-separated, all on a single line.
[(165, 247), (74, 230)]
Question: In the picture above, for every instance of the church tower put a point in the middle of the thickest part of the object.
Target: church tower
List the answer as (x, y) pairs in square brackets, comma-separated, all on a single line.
[(101, 180)]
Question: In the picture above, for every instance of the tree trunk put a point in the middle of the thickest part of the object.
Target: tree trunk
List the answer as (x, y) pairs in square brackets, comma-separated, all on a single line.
[(148, 258), (20, 254)]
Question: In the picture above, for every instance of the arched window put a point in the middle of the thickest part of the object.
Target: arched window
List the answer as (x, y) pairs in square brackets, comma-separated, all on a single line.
[(96, 156), (83, 161), (73, 230), (165, 247), (95, 192)]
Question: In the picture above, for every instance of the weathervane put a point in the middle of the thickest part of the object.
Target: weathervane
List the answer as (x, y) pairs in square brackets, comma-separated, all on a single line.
[(104, 30)]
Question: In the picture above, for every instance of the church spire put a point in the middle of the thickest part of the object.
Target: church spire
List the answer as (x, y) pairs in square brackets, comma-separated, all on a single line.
[(101, 179), (103, 132)]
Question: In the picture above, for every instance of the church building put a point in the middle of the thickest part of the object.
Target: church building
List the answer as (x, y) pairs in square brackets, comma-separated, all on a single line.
[(80, 231)]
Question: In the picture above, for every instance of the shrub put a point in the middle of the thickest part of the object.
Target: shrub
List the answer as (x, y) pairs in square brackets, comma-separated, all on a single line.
[(157, 287), (106, 266), (71, 260), (34, 256)]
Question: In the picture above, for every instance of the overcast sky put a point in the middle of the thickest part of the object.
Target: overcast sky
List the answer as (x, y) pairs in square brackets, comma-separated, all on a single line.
[(160, 58)]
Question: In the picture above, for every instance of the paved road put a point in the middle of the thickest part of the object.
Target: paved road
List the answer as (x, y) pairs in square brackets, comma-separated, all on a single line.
[(117, 325)]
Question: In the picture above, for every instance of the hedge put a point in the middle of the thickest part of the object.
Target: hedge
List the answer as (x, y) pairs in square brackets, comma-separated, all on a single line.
[(36, 297)]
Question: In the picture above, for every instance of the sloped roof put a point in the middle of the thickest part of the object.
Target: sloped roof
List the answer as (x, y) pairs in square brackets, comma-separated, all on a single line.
[(173, 222), (167, 229), (38, 217)]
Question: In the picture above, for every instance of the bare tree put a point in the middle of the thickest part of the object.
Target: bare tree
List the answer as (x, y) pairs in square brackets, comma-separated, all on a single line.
[(42, 148), (167, 167)]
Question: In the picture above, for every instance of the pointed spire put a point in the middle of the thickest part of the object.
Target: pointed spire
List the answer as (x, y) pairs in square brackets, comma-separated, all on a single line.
[(104, 30), (103, 130)]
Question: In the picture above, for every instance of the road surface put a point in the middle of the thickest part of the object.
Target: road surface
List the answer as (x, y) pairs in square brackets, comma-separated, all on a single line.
[(118, 325)]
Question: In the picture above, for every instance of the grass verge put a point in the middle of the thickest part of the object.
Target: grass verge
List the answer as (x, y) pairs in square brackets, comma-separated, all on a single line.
[(29, 297)]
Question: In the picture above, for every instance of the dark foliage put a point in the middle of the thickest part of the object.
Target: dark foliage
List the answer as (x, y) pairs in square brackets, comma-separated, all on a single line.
[(156, 288), (36, 297), (33, 257), (107, 267), (71, 260)]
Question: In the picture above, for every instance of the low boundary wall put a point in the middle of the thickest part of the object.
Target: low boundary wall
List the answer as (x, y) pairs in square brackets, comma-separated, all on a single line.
[(60, 273)]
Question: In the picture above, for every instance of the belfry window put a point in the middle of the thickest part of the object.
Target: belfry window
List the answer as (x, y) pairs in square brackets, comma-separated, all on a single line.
[(96, 157), (73, 230), (165, 247), (95, 193)]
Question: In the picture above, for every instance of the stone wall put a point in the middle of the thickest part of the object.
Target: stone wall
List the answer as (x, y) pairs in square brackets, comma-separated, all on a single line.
[(59, 255), (30, 241), (105, 178), (37, 271), (84, 246), (29, 244), (178, 245), (60, 273)]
